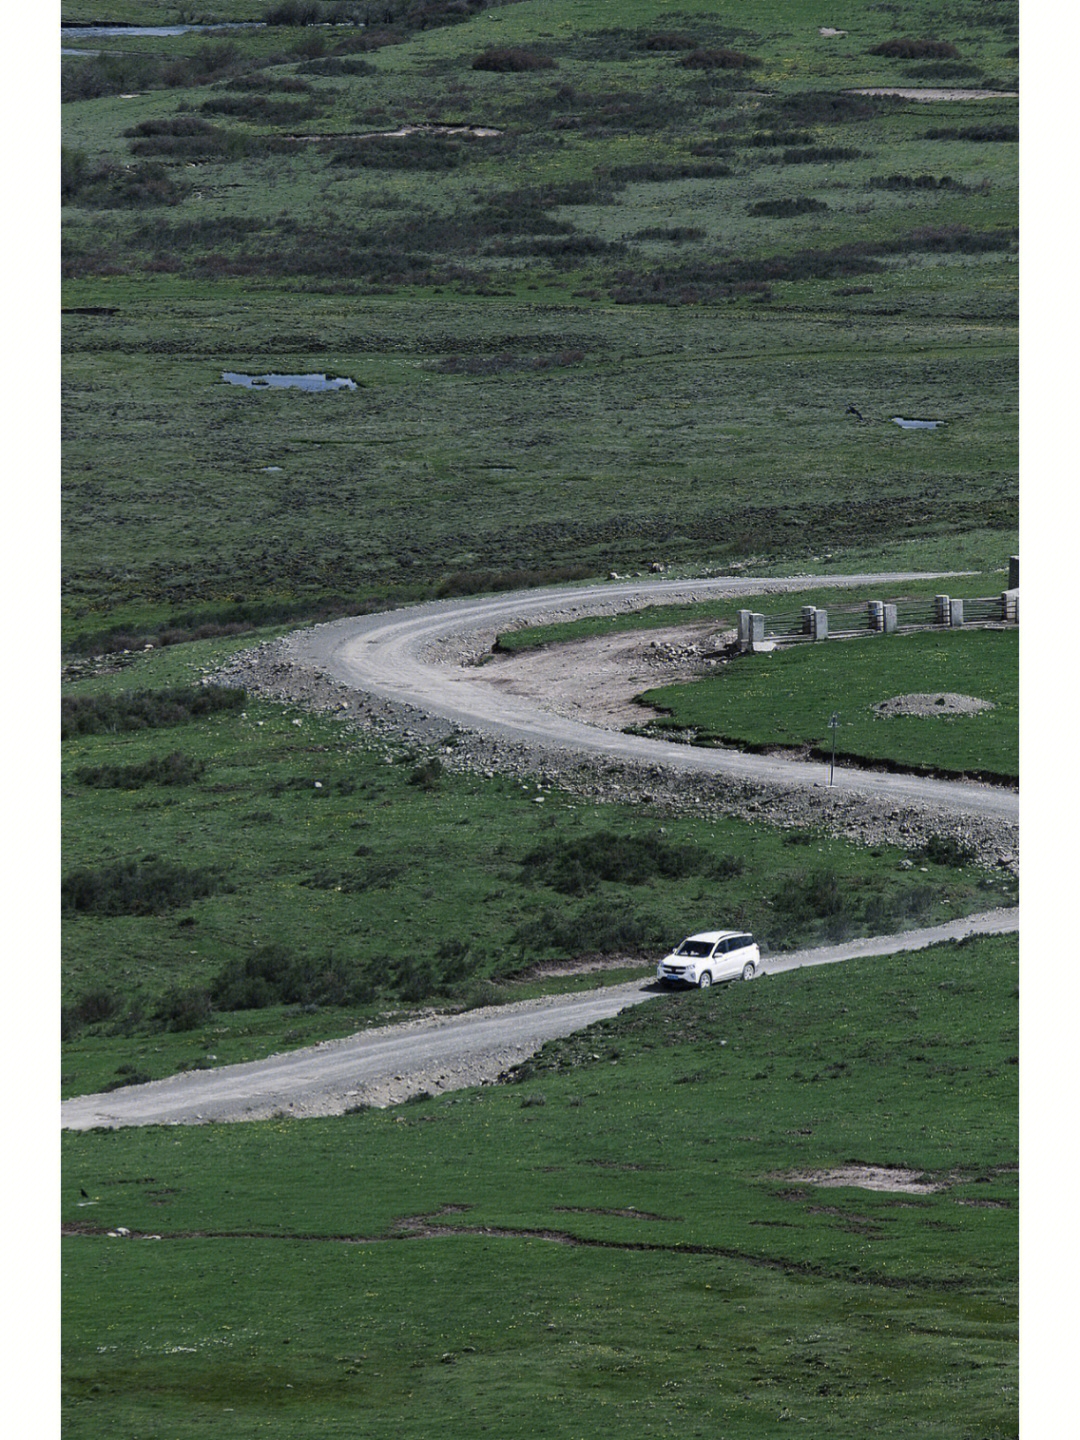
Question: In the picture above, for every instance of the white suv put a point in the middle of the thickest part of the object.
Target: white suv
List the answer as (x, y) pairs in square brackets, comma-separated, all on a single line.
[(713, 955)]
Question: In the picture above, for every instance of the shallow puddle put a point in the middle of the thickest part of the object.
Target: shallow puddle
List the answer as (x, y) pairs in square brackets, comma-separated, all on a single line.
[(916, 424), (287, 382)]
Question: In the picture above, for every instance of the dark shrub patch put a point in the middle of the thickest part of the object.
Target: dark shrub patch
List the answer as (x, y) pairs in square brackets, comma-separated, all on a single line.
[(819, 155), (676, 234), (598, 928), (137, 887), (114, 187), (508, 59), (914, 182), (667, 170), (410, 152), (427, 775), (720, 59), (802, 205), (478, 582), (985, 134), (143, 709), (258, 109), (765, 139), (668, 41), (91, 1008), (285, 84), (174, 769), (270, 975), (946, 850), (905, 48), (336, 65), (180, 1009), (831, 107), (575, 867), (942, 70), (186, 137)]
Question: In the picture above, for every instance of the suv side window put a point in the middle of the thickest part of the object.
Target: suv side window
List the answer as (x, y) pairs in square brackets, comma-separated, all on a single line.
[(722, 947)]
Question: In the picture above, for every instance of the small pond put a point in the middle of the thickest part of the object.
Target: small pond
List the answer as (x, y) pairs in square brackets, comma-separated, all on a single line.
[(79, 32), (288, 382), (917, 424)]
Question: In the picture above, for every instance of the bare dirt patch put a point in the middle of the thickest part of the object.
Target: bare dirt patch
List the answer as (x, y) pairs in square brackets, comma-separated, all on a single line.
[(936, 703), (596, 680), (903, 93), (870, 1177)]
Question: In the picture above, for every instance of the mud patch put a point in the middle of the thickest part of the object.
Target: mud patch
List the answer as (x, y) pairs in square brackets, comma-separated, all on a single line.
[(945, 702), (903, 93), (870, 1177)]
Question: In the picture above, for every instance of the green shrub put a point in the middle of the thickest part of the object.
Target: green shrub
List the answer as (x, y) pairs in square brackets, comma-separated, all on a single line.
[(183, 1009), (946, 850), (574, 867), (143, 709), (509, 59), (718, 59), (905, 48), (137, 887), (781, 209), (174, 769)]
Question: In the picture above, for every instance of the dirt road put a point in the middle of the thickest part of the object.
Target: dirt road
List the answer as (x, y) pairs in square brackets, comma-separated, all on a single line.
[(425, 657), (384, 1066)]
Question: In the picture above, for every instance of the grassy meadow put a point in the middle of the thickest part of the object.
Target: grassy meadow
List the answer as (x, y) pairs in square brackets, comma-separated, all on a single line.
[(617, 332), (625, 1241), (665, 315)]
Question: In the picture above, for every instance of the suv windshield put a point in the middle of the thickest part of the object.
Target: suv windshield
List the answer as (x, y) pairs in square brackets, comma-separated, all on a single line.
[(696, 949)]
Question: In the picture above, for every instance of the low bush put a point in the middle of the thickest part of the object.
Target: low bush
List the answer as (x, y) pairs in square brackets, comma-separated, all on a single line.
[(781, 209), (667, 40), (511, 60), (905, 48), (272, 975), (183, 1009), (943, 70), (719, 59), (174, 769), (819, 155), (830, 107), (914, 182), (148, 886), (336, 65), (113, 187), (661, 170), (675, 234), (410, 152), (143, 709), (91, 1008), (598, 929), (575, 867), (479, 582), (946, 850), (765, 139), (258, 109), (979, 134), (428, 775)]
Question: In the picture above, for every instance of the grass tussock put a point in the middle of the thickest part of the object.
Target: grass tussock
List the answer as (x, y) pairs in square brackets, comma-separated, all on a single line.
[(508, 59), (143, 709), (173, 769), (146, 886), (906, 48)]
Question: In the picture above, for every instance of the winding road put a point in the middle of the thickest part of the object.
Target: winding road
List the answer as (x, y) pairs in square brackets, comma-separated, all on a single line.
[(412, 657)]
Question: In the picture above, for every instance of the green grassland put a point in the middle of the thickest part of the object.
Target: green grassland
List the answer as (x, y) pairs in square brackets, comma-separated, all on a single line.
[(783, 699), (275, 848), (619, 1244), (578, 344)]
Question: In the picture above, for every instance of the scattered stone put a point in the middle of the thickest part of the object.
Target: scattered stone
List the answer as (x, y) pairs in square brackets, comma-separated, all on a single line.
[(940, 703)]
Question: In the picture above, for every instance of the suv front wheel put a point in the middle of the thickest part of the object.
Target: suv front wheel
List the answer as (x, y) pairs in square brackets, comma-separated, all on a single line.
[(704, 979)]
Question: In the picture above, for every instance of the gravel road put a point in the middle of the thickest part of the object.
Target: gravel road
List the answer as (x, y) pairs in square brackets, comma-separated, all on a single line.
[(384, 1066), (419, 675)]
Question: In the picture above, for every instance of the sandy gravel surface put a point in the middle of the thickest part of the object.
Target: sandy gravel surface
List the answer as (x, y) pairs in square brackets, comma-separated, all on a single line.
[(907, 93), (387, 1065)]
